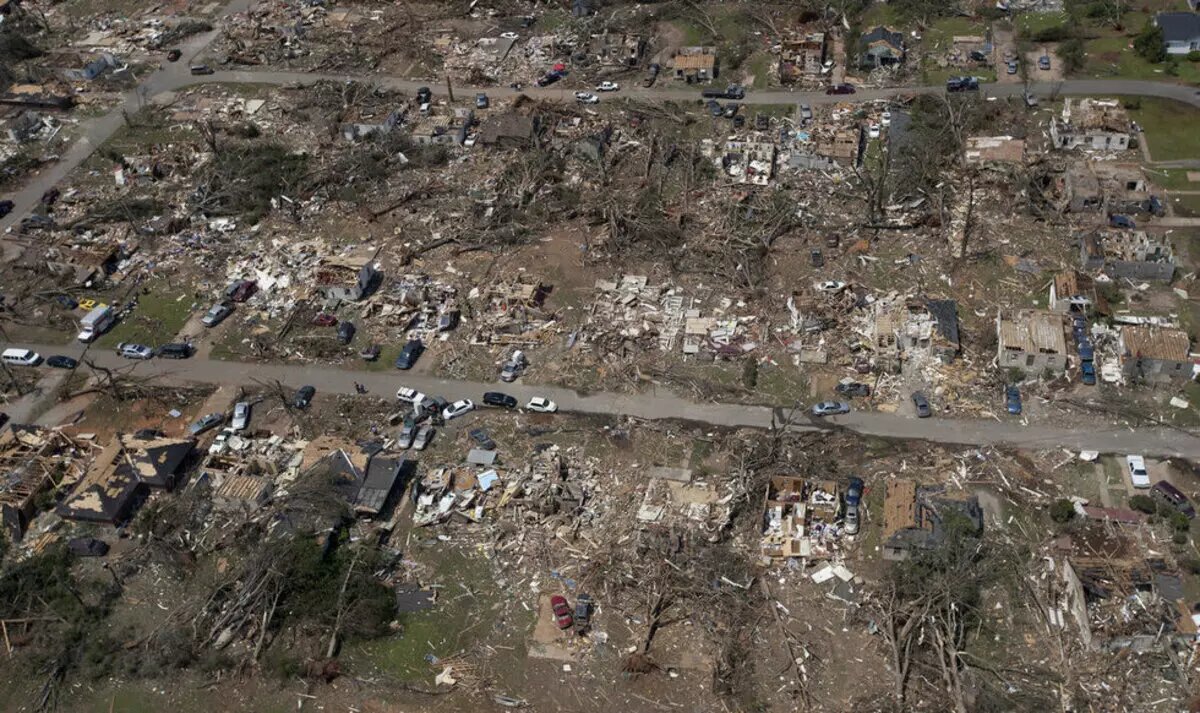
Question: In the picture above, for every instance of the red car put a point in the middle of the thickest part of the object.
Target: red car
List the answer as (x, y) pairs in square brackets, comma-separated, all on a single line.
[(840, 89), (324, 320), (562, 611)]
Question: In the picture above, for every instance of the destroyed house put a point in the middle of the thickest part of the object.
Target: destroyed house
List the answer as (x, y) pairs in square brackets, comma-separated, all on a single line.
[(346, 278), (843, 145), (120, 477), (991, 150), (382, 482), (905, 326), (750, 162), (695, 64), (617, 49), (1127, 254), (1106, 185), (1031, 341), (1099, 124), (368, 481), (801, 56), (32, 460), (364, 130), (23, 127), (917, 518), (799, 518), (36, 95), (1074, 293), (509, 131), (1156, 355)]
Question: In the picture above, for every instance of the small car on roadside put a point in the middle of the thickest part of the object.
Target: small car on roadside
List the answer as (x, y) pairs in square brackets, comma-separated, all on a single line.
[(135, 351), (830, 408)]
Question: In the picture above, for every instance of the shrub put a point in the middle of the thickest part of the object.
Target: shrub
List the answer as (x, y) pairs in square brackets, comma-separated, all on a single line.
[(750, 374), (1179, 521), (1150, 44), (1143, 503), (1179, 538), (1193, 56), (1190, 564), (1062, 510)]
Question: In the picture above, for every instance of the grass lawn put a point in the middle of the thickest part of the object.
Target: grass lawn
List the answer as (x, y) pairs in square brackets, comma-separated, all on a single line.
[(157, 319), (939, 75), (1169, 128), (939, 37), (759, 65), (1029, 24), (879, 14), (1186, 206), (1173, 179), (1112, 57)]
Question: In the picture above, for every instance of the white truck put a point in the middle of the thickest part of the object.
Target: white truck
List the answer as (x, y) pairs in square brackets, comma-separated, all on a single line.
[(96, 322)]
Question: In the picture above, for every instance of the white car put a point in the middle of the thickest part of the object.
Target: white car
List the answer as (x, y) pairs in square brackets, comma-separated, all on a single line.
[(221, 443), (241, 416), (886, 119), (541, 404), (509, 35), (1137, 471), (586, 98), (873, 131), (830, 286), (607, 87), (458, 408), (412, 396)]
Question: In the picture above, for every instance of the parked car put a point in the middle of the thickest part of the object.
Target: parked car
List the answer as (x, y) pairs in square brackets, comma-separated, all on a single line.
[(586, 98), (175, 350), (513, 368), (562, 611), (409, 354), (324, 319), (408, 431), (174, 55), (36, 222), (458, 408), (6, 207), (411, 396), (345, 332), (58, 361), (241, 290), (583, 613), (541, 404), (1137, 471), (87, 547), (1012, 400), (886, 118), (509, 35), (548, 79), (840, 89), (1087, 371), (1031, 100), (481, 101), (850, 520), (830, 408), (201, 69), (762, 122), (739, 121), (369, 352), (853, 388), (241, 416), (830, 286), (1012, 66), (962, 84), (715, 108), (304, 396), (220, 444), (424, 436), (1171, 496), (816, 259), (806, 112), (921, 404), (499, 399), (216, 314), (66, 302), (1044, 62), (607, 87), (206, 422), (651, 75), (1121, 221), (873, 131), (482, 439), (50, 197), (424, 95), (447, 321), (1086, 351), (135, 351), (731, 110)]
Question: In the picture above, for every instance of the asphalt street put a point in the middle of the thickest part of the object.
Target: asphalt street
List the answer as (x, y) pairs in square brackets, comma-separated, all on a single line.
[(657, 405)]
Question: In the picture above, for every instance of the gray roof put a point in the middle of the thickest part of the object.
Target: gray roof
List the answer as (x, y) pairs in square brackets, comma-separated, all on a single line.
[(1179, 26), (945, 312)]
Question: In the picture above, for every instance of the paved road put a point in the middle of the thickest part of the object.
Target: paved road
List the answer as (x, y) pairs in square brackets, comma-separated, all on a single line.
[(660, 405)]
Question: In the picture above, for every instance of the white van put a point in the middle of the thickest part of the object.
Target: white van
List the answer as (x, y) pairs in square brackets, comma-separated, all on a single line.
[(21, 357)]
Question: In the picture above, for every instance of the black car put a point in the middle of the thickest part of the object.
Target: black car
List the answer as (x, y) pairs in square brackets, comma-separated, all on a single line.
[(409, 354), (50, 196), (201, 69), (853, 389), (6, 208), (424, 95), (816, 258), (496, 398), (174, 55), (482, 439), (548, 79), (175, 350), (304, 396), (962, 84), (840, 89), (762, 122), (58, 361), (714, 107), (346, 332)]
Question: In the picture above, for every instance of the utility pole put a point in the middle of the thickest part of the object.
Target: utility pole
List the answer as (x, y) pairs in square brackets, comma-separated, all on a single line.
[(449, 89)]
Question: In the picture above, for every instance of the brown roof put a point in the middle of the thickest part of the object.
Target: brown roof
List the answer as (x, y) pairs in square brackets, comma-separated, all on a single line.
[(1156, 343), (1033, 332), (695, 61), (899, 507)]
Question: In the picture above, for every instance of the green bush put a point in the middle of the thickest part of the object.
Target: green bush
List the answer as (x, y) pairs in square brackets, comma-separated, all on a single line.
[(1072, 55), (750, 373), (1179, 538), (1062, 510), (1143, 503), (1150, 44), (1056, 33), (1179, 521), (1193, 56), (1190, 564)]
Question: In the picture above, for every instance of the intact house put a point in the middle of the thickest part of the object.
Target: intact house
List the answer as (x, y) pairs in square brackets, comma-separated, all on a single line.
[(801, 56), (121, 477), (881, 47), (918, 518), (695, 64), (902, 329), (509, 131), (346, 278), (1155, 355), (1074, 293), (1181, 31), (1126, 254), (1032, 341), (1100, 124), (617, 49)]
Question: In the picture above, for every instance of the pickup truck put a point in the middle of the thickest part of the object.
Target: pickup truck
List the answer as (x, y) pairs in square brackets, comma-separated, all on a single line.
[(962, 84), (733, 91)]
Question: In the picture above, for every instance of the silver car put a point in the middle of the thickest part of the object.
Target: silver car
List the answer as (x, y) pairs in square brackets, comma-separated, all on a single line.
[(241, 416), (404, 439), (216, 315), (424, 436), (830, 408)]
